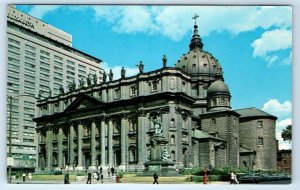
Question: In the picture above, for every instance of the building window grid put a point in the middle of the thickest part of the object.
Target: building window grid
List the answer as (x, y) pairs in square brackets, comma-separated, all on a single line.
[(13, 41), (12, 47)]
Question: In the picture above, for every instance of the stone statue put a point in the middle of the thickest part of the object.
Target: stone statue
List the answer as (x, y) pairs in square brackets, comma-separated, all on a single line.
[(95, 79), (165, 155), (81, 82), (141, 67), (61, 89), (39, 95), (73, 85), (104, 76), (164, 59), (49, 91), (123, 71), (88, 80), (157, 125), (110, 75)]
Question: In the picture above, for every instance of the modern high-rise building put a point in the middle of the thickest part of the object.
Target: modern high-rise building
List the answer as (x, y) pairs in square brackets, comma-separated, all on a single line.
[(41, 61)]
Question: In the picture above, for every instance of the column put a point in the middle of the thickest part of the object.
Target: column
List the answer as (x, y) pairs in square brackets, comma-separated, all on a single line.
[(49, 150), (60, 147), (124, 129), (93, 147), (142, 149), (79, 147), (110, 145), (179, 160), (71, 148), (102, 143)]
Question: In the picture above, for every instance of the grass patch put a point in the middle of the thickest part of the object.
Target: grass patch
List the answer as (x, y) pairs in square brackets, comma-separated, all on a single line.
[(132, 178), (52, 177)]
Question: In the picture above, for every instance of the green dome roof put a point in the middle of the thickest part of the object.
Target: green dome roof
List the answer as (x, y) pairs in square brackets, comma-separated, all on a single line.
[(218, 87)]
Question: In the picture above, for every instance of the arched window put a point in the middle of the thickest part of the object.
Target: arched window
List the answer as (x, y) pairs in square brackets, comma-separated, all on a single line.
[(172, 140), (173, 155)]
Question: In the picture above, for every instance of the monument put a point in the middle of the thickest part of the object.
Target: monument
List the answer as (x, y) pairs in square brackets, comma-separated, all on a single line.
[(159, 160)]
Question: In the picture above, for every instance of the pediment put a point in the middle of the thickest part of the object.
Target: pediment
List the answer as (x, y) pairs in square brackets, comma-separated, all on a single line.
[(83, 101)]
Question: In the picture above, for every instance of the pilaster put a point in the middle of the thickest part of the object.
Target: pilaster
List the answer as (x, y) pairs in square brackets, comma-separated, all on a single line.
[(93, 146)]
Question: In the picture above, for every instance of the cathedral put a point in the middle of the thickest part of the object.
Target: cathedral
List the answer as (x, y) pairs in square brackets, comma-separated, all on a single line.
[(110, 123)]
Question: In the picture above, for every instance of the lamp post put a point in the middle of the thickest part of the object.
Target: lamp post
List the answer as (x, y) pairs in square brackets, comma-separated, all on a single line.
[(10, 99)]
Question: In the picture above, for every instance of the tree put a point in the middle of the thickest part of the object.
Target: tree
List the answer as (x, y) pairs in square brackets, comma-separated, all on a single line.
[(286, 133)]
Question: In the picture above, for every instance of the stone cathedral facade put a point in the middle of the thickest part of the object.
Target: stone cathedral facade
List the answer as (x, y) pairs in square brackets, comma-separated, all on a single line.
[(109, 123)]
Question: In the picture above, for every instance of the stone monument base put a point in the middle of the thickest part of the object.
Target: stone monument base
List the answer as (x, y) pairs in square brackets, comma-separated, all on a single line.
[(162, 168)]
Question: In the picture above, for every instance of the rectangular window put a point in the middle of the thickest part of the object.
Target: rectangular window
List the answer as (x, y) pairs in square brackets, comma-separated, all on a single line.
[(70, 63), (194, 91), (133, 90), (29, 53), (45, 53), (58, 58), (59, 64), (43, 64), (213, 121), (13, 41), (117, 93), (28, 47), (70, 67), (82, 67), (154, 86), (260, 141), (43, 58), (13, 60), (259, 123), (11, 47)]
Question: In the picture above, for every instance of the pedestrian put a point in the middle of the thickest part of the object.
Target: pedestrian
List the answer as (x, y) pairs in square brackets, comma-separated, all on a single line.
[(98, 176), (235, 179), (112, 171), (155, 177), (101, 170), (66, 178), (101, 177), (232, 177), (108, 171), (89, 178), (29, 177), (24, 176)]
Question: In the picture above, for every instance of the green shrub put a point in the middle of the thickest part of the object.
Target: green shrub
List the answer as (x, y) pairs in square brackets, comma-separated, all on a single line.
[(57, 172), (81, 174)]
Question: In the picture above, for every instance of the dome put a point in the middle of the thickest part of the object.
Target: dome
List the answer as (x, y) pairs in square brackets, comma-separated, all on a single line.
[(199, 63), (218, 87)]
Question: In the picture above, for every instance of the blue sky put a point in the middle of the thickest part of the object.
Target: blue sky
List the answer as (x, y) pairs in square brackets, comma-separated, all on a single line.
[(253, 44)]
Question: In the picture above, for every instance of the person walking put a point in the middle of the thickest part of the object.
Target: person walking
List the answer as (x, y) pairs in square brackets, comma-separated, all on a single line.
[(98, 176), (89, 178), (232, 177), (66, 178), (112, 170), (29, 177), (108, 171), (24, 177), (155, 177), (101, 177)]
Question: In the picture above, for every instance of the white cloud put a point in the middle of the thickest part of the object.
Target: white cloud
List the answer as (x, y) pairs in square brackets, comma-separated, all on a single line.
[(175, 22), (283, 123), (280, 125), (117, 70), (273, 40), (288, 60), (276, 108), (39, 11)]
